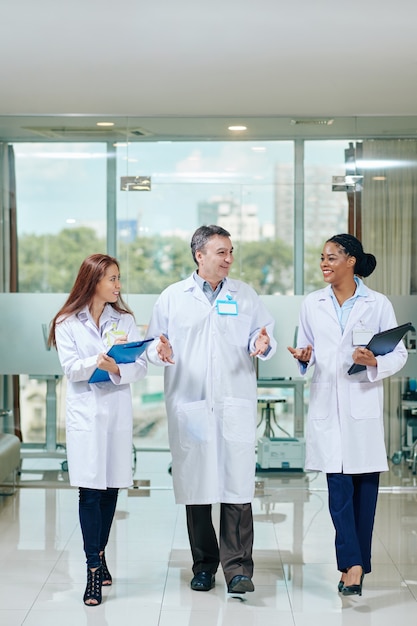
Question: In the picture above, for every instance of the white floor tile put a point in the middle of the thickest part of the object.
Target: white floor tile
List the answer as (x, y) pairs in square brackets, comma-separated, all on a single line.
[(149, 557), (12, 617)]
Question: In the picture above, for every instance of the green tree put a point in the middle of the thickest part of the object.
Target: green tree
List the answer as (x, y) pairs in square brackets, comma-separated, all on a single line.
[(313, 277), (49, 263), (266, 265), (154, 263)]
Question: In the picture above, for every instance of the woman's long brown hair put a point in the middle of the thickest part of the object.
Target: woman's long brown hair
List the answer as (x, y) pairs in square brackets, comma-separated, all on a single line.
[(90, 273)]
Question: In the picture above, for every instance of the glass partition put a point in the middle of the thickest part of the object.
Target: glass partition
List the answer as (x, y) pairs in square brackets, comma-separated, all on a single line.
[(167, 189), (325, 210), (162, 192), (139, 189), (61, 211)]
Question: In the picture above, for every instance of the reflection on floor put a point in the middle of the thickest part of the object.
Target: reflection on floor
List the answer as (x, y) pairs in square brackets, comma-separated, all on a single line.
[(42, 571)]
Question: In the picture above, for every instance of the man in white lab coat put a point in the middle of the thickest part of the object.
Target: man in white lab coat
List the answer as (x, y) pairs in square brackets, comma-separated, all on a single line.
[(207, 329)]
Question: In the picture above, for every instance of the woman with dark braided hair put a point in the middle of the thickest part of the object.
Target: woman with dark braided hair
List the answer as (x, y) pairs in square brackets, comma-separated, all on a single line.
[(345, 430)]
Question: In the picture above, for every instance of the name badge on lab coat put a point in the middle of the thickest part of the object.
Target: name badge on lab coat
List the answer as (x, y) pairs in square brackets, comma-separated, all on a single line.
[(361, 336), (226, 307)]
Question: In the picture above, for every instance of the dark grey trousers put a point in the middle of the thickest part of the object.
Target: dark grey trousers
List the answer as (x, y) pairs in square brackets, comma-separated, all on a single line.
[(234, 548)]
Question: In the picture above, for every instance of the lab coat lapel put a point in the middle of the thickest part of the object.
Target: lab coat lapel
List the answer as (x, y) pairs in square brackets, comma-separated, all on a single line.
[(360, 306), (327, 306), (229, 287), (194, 290)]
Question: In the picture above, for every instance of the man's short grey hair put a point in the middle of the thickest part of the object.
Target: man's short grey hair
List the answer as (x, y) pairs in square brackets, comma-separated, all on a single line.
[(203, 234)]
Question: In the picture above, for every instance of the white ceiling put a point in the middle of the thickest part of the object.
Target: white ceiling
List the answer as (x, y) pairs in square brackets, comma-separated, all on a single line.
[(194, 66)]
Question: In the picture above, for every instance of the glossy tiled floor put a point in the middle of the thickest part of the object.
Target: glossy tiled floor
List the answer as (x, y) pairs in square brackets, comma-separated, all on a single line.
[(42, 571)]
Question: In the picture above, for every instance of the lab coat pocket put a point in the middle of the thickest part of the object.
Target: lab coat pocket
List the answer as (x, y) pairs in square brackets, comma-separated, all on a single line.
[(239, 420), (319, 401), (80, 411), (194, 419), (364, 401), (237, 329)]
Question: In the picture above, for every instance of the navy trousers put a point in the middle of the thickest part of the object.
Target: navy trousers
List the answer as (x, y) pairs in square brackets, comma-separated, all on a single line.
[(234, 548), (352, 505), (96, 510)]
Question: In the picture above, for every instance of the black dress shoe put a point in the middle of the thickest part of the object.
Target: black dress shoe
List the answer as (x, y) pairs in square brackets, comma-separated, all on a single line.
[(240, 584), (353, 590), (340, 586), (203, 581)]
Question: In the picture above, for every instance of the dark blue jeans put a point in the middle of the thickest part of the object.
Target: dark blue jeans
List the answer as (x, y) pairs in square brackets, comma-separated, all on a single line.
[(96, 510)]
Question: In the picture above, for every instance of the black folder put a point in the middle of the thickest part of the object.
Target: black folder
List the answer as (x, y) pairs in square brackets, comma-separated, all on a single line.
[(121, 353), (383, 342)]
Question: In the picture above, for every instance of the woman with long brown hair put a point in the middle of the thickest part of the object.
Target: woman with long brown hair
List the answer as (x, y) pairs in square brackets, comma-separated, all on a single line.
[(98, 415)]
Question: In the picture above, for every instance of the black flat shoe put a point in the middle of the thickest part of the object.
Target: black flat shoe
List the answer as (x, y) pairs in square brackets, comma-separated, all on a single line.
[(240, 584), (203, 581), (353, 590), (93, 588)]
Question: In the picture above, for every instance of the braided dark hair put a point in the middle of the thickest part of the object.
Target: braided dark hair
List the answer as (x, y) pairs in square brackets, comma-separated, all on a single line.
[(365, 262)]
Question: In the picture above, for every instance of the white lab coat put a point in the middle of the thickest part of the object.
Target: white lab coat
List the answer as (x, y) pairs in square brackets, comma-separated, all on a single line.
[(345, 428), (210, 391), (98, 415)]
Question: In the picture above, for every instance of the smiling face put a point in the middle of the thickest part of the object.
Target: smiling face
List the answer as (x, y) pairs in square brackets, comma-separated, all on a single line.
[(337, 266), (215, 259), (108, 287)]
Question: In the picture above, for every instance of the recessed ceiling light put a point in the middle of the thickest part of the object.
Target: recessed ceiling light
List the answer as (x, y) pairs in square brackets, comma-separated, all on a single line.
[(105, 124), (379, 178), (238, 127)]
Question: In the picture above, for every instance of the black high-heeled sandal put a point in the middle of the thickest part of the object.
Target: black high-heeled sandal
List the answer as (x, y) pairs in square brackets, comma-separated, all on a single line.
[(341, 582), (107, 579), (354, 590), (93, 588)]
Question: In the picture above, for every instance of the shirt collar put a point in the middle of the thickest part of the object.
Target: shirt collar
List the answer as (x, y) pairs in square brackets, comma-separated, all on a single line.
[(360, 290), (108, 313), (201, 282)]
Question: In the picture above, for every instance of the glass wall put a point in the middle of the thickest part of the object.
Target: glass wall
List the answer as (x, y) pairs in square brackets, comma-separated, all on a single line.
[(248, 187), (325, 210), (163, 192), (61, 211), (140, 198)]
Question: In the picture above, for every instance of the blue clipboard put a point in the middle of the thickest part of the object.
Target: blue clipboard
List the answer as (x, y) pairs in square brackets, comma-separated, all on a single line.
[(121, 353)]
